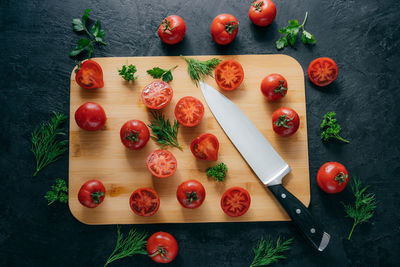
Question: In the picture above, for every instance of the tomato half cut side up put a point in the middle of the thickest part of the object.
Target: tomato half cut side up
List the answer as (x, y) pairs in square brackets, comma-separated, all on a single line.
[(161, 163), (229, 75), (322, 71), (157, 94), (189, 111), (235, 201), (144, 202)]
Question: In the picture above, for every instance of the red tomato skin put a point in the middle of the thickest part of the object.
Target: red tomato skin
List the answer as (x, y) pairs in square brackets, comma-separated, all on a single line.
[(326, 177), (189, 187), (294, 124), (325, 62), (90, 116), (267, 14), (173, 162), (90, 75), (151, 191), (162, 240), (235, 68), (227, 193), (136, 126), (160, 87), (200, 142), (85, 193), (174, 36), (218, 29), (272, 82), (179, 110)]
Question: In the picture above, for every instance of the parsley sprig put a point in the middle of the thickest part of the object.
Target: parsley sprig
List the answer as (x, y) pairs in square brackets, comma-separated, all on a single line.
[(59, 191), (164, 133), (46, 146), (128, 72), (266, 253), (364, 206), (290, 34), (135, 243), (331, 128), (166, 75), (96, 35), (218, 172), (198, 70)]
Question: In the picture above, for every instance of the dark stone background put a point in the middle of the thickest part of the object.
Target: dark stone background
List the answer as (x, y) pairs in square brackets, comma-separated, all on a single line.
[(362, 36)]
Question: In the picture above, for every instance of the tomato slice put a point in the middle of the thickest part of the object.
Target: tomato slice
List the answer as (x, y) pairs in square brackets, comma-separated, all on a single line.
[(161, 163), (322, 71), (144, 201), (189, 111), (90, 75), (229, 75), (157, 94), (235, 201), (205, 147)]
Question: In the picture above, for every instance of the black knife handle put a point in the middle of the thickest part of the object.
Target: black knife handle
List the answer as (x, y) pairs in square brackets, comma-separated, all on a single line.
[(301, 217)]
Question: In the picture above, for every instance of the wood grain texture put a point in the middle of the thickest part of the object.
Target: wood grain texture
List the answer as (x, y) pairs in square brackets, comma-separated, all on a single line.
[(100, 155)]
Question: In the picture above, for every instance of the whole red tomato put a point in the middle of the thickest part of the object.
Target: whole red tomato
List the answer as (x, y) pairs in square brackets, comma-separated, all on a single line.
[(161, 163), (322, 71), (144, 202), (274, 87), (157, 94), (191, 194), (224, 28), (92, 193), (89, 75), (162, 247), (205, 147), (90, 116), (235, 201), (134, 134), (332, 177), (285, 121), (172, 29), (262, 12)]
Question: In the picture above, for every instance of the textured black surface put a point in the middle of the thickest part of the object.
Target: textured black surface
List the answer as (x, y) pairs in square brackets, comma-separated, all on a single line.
[(362, 36)]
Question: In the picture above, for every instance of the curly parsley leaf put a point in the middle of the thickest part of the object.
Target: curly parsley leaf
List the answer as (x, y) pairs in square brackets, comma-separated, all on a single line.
[(265, 253), (218, 172), (128, 72), (59, 191), (157, 72), (331, 128)]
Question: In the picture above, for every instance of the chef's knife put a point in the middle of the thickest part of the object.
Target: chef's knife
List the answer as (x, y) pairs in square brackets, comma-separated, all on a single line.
[(264, 160)]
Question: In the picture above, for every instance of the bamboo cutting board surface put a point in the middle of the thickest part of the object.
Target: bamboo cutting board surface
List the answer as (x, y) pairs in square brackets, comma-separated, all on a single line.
[(101, 155)]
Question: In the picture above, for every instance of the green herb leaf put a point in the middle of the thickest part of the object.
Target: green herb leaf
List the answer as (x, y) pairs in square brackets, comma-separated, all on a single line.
[(308, 37), (331, 128), (218, 172), (46, 146), (198, 70), (77, 25), (157, 72), (82, 45), (59, 191), (135, 243), (281, 43), (164, 133), (85, 16), (265, 253), (364, 206), (128, 72)]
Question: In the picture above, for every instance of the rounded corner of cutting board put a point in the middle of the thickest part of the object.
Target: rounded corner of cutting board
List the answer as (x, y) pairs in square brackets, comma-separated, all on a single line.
[(76, 215), (295, 62)]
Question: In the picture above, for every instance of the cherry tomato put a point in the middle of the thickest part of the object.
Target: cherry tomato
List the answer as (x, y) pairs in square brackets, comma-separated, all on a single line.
[(90, 116), (144, 202), (161, 163), (205, 147), (189, 111), (134, 134), (92, 193), (235, 201), (322, 71), (274, 87), (89, 75), (229, 75), (285, 121), (332, 177), (157, 94), (191, 194), (162, 247), (172, 29), (262, 12), (224, 28)]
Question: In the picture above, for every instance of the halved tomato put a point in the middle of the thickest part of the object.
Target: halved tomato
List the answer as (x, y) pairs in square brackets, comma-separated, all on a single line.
[(229, 75), (205, 147), (144, 201), (89, 75), (157, 94), (189, 111), (322, 71), (235, 201), (161, 163)]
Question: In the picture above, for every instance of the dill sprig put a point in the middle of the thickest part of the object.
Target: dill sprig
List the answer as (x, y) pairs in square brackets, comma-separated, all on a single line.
[(135, 243), (364, 206), (265, 253), (46, 147), (198, 70), (164, 133)]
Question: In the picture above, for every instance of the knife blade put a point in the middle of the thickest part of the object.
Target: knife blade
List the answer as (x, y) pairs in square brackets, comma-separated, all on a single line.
[(266, 163)]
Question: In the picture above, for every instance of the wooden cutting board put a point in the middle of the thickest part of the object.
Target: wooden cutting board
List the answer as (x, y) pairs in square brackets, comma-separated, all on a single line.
[(100, 155)]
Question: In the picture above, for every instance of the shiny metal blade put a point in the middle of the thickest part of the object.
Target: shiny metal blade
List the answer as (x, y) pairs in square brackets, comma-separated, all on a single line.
[(255, 149)]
